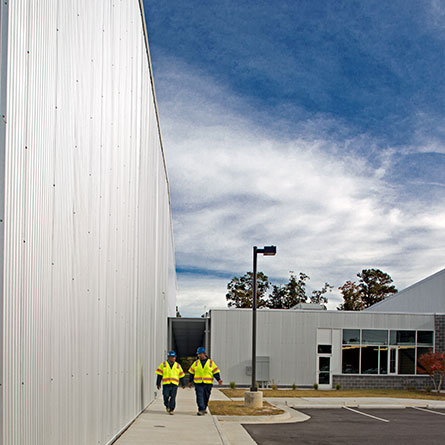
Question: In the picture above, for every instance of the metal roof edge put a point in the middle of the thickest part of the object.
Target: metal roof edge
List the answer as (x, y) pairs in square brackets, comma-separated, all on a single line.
[(155, 102), (418, 283), (299, 311)]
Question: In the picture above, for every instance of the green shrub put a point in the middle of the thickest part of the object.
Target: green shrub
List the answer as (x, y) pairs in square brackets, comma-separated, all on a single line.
[(337, 386), (232, 385), (315, 385), (294, 386), (274, 387)]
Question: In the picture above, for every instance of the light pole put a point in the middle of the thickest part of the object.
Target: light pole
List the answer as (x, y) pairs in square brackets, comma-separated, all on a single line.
[(266, 251)]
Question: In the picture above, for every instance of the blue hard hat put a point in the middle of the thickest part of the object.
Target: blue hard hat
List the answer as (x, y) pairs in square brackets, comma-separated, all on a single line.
[(171, 354), (201, 350)]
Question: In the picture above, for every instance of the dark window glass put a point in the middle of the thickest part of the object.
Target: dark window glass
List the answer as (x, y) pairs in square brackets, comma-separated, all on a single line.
[(324, 349), (420, 352), (370, 357), (425, 338), (406, 360), (392, 360), (374, 337), (324, 366), (403, 337), (350, 360), (383, 360), (324, 378), (351, 336)]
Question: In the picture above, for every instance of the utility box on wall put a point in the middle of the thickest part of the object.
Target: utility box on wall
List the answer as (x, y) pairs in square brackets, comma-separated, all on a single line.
[(262, 369)]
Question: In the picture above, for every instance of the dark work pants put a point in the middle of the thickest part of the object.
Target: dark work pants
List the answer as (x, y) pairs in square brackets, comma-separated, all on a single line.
[(203, 391), (169, 393)]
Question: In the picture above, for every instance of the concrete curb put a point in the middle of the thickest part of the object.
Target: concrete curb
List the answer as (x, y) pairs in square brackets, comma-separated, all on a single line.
[(320, 406), (379, 406), (290, 416), (255, 419), (221, 433), (366, 406)]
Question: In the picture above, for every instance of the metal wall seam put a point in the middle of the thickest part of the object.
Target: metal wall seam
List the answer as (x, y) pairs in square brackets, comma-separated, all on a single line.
[(172, 297), (3, 94)]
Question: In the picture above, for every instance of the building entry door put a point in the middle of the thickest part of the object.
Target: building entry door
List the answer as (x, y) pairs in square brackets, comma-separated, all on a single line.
[(324, 371)]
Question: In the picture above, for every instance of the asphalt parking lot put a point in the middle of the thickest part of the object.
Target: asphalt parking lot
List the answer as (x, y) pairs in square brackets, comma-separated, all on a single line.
[(356, 426)]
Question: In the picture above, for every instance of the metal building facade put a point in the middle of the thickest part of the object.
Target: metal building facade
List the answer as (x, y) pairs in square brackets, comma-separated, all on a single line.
[(289, 339), (87, 244)]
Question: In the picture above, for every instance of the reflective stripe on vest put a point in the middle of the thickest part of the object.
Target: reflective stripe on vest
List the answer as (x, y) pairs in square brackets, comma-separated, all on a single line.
[(170, 374), (204, 375)]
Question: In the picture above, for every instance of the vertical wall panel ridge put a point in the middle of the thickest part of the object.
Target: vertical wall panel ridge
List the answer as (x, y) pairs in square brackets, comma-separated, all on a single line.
[(88, 247), (3, 91)]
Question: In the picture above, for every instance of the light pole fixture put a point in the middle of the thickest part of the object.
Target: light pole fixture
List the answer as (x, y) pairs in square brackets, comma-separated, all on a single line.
[(266, 251)]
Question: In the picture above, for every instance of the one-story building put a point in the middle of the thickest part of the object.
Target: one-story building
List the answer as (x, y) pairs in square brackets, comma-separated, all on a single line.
[(377, 348)]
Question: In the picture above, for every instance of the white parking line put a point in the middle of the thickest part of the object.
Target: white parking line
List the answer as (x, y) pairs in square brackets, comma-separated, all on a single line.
[(364, 414), (428, 411)]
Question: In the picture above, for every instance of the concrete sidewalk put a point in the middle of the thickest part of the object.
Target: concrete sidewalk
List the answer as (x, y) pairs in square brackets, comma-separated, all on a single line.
[(156, 426)]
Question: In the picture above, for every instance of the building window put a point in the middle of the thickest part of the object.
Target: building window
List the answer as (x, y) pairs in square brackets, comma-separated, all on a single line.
[(351, 336), (407, 360), (425, 338), (370, 360), (324, 349), (351, 359), (392, 360), (367, 351), (420, 352), (403, 337), (383, 362), (374, 337)]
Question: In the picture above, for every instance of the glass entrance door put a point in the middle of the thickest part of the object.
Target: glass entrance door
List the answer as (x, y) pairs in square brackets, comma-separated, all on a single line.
[(324, 370)]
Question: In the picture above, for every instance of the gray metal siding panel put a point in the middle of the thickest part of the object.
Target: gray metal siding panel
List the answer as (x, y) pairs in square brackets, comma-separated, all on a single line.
[(87, 223), (289, 338)]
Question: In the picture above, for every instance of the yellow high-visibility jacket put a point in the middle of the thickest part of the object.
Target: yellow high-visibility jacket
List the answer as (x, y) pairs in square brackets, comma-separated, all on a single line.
[(170, 374), (203, 375)]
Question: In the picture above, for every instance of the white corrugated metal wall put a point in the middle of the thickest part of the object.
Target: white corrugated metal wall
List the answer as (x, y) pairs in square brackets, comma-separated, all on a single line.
[(3, 66), (87, 226)]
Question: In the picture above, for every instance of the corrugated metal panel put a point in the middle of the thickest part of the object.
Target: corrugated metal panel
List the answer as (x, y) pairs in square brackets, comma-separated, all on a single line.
[(3, 72), (289, 338), (88, 238)]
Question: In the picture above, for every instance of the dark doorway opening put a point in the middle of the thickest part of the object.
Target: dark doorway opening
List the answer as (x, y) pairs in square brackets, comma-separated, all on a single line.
[(185, 335)]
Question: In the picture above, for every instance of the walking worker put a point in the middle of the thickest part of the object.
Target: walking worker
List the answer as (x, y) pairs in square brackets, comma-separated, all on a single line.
[(203, 371), (170, 374)]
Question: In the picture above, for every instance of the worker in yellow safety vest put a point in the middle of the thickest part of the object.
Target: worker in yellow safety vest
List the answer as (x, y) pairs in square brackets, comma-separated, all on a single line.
[(170, 374), (203, 371)]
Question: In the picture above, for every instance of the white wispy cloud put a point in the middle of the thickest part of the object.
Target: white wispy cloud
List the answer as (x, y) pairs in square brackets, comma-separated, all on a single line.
[(236, 184)]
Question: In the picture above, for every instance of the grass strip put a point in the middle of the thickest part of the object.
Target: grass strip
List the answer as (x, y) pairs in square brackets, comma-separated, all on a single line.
[(231, 408), (393, 393)]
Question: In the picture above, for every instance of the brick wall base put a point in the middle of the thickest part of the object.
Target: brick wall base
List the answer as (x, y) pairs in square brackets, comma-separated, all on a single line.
[(439, 328), (382, 382)]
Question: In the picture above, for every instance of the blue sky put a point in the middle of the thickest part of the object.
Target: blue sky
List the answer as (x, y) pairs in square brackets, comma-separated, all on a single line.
[(318, 126)]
